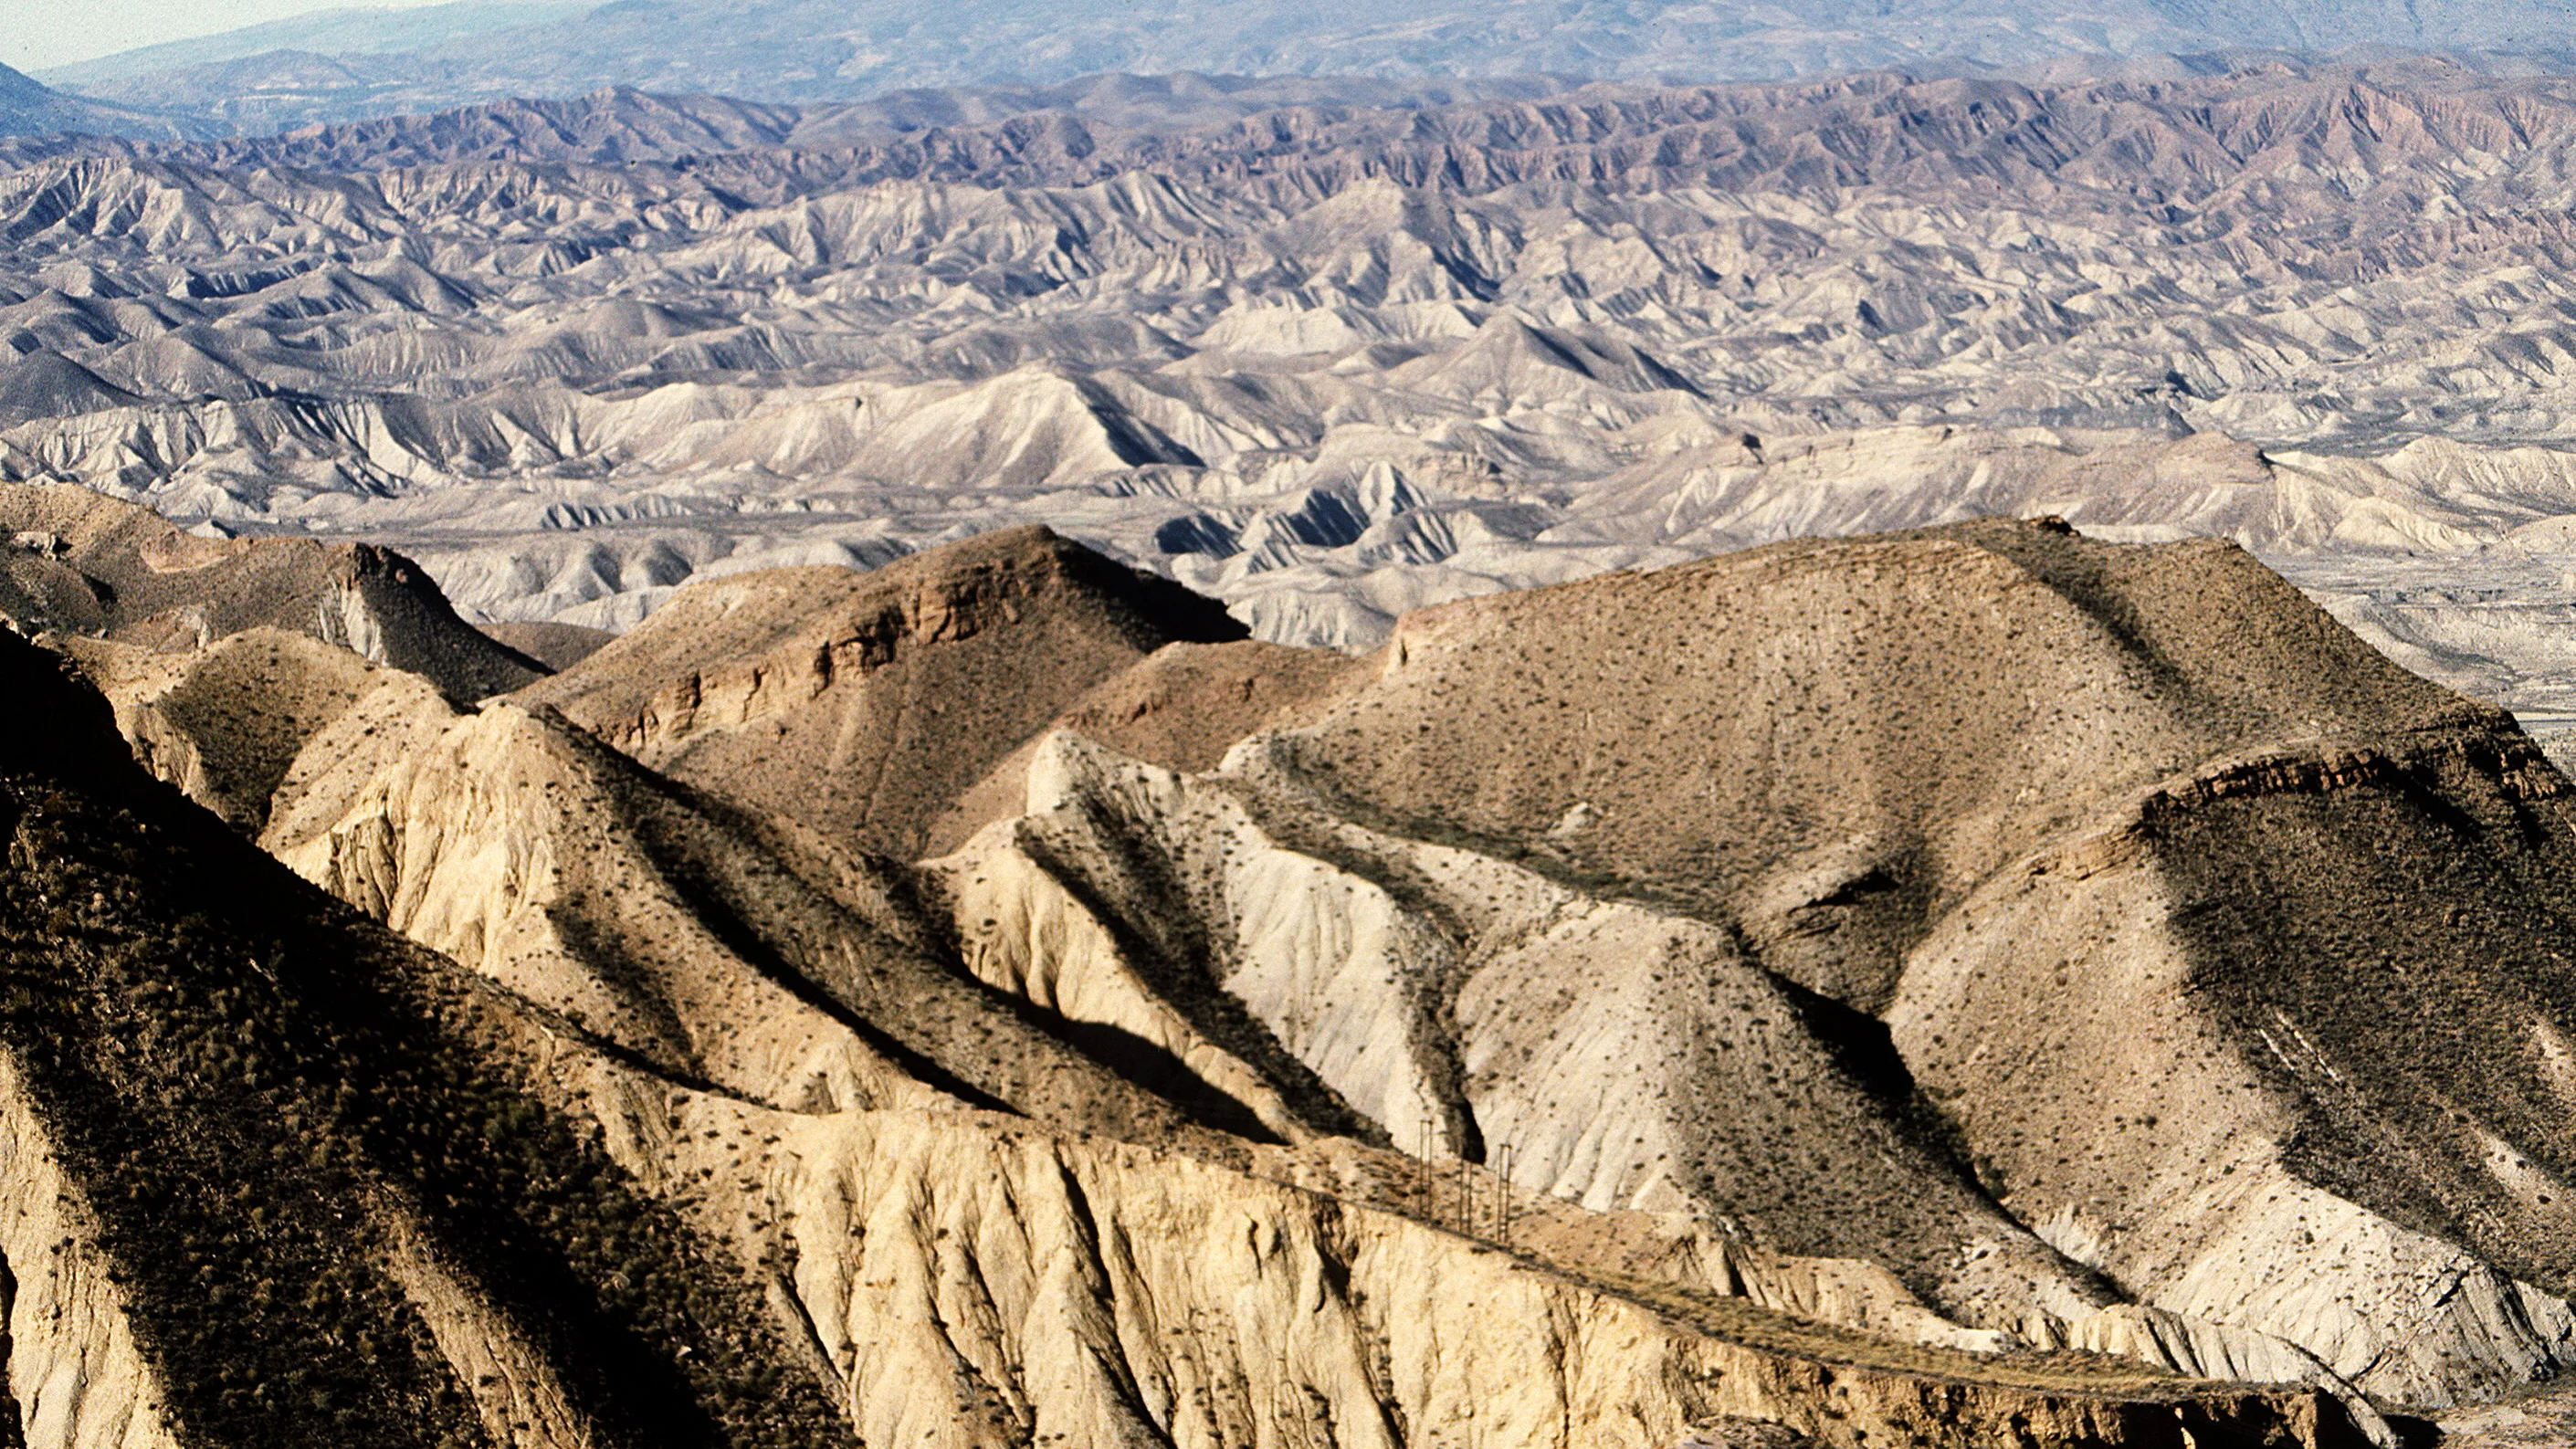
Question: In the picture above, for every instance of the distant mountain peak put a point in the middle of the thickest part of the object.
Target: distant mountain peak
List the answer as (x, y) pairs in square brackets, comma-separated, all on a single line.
[(29, 107), (805, 51)]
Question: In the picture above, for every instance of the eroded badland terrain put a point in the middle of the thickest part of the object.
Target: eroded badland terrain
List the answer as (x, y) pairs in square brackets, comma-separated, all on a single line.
[(1297, 765)]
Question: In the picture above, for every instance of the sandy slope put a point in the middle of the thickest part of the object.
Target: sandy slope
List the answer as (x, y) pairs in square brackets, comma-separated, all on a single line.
[(860, 705)]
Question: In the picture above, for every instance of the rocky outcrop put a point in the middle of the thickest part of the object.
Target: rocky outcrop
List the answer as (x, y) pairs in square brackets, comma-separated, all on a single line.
[(511, 846), (1031, 1284), (715, 949)]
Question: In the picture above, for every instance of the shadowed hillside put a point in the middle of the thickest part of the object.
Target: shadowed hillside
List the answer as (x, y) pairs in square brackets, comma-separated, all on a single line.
[(2058, 923)]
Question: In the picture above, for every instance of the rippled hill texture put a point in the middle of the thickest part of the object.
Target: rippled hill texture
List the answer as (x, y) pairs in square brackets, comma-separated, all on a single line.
[(1968, 985), (1330, 359)]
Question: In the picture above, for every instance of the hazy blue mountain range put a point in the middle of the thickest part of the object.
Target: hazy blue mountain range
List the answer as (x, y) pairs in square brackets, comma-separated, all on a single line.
[(354, 63), (28, 108)]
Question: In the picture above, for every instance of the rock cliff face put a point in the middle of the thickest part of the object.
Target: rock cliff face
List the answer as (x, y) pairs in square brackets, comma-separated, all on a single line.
[(680, 1145)]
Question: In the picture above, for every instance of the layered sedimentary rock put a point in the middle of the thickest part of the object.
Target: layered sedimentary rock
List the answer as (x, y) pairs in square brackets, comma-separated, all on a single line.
[(930, 981), (1899, 904)]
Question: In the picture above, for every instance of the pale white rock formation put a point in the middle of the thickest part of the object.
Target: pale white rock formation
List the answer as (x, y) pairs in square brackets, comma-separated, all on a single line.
[(1021, 932), (1626, 884), (1558, 1067), (2216, 1226), (970, 1278), (1067, 1135), (518, 1395), (76, 1377)]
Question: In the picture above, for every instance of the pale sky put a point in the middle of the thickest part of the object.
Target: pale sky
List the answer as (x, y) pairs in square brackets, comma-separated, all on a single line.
[(38, 33)]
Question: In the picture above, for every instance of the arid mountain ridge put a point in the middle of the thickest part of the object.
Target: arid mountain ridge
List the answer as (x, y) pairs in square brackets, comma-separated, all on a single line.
[(1926, 986), (1329, 361), (30, 109)]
